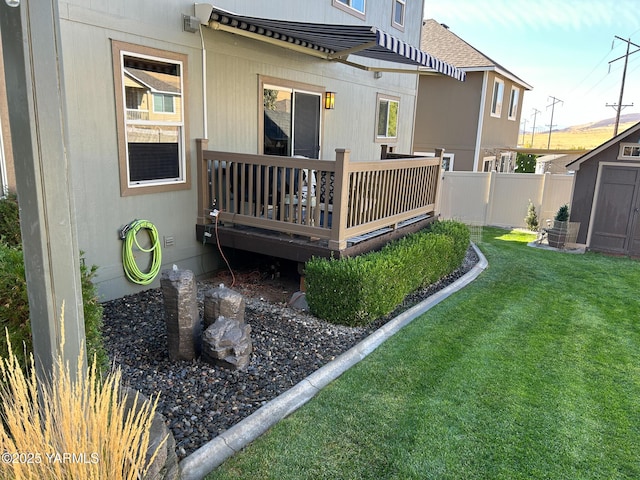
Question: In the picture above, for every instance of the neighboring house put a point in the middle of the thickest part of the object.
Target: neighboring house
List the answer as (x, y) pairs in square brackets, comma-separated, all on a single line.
[(606, 195), (476, 122), (7, 173), (143, 81), (555, 164)]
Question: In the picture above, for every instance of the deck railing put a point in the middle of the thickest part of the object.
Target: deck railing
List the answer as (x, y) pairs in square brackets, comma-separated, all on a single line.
[(323, 199)]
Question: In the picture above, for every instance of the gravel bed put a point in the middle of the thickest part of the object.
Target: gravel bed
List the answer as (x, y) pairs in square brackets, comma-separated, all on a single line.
[(200, 401)]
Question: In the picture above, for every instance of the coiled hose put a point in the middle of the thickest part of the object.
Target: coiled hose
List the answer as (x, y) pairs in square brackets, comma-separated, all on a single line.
[(131, 269)]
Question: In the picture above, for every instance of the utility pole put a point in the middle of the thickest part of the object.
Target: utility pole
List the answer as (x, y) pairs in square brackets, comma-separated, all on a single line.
[(551, 125), (620, 106), (524, 130), (533, 130)]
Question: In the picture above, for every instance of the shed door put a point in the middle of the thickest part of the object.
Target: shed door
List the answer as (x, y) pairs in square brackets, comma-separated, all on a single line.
[(616, 227)]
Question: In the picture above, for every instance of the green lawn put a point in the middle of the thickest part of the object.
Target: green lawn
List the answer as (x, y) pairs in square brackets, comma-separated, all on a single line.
[(531, 372)]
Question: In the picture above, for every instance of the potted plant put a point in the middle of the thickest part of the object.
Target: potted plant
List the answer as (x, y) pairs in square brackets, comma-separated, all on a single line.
[(557, 236), (562, 217)]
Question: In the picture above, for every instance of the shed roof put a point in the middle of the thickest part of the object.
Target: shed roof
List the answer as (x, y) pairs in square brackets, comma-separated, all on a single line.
[(618, 138), (442, 43)]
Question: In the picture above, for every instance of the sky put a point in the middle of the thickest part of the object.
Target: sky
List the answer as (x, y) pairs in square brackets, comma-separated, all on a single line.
[(562, 48)]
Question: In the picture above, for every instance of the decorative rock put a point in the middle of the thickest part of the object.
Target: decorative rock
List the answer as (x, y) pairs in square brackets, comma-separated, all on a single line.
[(165, 463), (223, 302), (181, 313), (227, 343)]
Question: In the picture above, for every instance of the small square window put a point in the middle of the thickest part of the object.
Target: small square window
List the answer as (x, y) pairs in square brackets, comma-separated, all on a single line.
[(387, 118), (354, 7)]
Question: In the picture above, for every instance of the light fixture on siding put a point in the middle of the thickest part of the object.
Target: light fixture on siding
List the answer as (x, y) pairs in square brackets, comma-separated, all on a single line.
[(13, 3), (329, 100)]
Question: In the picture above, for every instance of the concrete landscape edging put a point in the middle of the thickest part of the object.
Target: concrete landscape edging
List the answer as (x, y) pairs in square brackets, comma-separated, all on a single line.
[(212, 454)]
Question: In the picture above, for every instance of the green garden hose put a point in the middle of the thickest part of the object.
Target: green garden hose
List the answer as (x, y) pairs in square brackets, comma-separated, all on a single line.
[(131, 269)]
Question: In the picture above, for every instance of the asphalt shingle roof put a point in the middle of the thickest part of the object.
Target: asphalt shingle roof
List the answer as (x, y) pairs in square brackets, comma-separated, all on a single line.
[(439, 41)]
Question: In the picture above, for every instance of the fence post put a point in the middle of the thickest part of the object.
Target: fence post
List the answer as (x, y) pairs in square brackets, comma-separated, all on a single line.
[(203, 181), (338, 240), (488, 217), (439, 180)]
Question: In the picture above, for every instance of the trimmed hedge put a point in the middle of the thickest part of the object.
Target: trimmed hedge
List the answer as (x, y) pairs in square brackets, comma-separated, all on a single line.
[(355, 291)]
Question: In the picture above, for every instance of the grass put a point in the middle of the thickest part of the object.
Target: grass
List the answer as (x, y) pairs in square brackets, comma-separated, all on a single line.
[(531, 372), (572, 138)]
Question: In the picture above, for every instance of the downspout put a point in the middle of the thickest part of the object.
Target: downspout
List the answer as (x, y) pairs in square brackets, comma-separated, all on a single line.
[(205, 126), (483, 98)]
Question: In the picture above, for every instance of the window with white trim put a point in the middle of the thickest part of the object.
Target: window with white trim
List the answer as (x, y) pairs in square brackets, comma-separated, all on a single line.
[(151, 121), (354, 7), (629, 151), (399, 7), (387, 117), (513, 103), (496, 99)]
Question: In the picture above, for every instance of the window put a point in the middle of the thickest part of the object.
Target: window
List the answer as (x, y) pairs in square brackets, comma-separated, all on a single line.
[(291, 118), (630, 151), (496, 100), (163, 103), (398, 14), (513, 103), (387, 118), (150, 116), (354, 7)]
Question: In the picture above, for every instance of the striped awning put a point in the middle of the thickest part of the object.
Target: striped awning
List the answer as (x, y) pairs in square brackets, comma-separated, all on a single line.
[(334, 42)]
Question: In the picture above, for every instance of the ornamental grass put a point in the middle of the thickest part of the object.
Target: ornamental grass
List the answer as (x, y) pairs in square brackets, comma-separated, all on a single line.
[(77, 426)]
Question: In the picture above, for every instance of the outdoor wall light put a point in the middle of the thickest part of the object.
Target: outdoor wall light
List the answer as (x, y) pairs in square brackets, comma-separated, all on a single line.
[(329, 100), (12, 3)]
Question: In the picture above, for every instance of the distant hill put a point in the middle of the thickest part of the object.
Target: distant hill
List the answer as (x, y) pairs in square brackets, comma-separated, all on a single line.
[(608, 122), (579, 137)]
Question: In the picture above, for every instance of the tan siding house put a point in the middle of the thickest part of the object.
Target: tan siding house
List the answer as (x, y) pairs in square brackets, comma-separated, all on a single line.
[(476, 121)]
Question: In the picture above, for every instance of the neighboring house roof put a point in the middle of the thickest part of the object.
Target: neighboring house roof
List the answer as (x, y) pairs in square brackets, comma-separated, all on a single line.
[(554, 163), (442, 43), (618, 138), (154, 81)]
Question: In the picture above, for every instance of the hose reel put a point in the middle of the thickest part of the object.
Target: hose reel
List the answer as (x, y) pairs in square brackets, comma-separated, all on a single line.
[(128, 234)]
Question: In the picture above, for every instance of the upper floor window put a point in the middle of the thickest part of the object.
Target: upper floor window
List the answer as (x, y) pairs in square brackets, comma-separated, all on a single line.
[(496, 100), (387, 118), (513, 103), (399, 7), (150, 119), (354, 7), (630, 151)]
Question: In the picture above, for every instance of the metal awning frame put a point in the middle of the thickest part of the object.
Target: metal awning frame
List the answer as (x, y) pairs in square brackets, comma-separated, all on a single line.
[(307, 48)]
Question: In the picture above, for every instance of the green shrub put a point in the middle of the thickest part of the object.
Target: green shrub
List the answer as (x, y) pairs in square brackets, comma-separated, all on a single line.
[(14, 308), (356, 291), (461, 236), (10, 221)]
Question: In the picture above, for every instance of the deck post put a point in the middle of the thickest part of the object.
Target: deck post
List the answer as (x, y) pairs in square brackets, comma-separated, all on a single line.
[(439, 180), (338, 239), (203, 182)]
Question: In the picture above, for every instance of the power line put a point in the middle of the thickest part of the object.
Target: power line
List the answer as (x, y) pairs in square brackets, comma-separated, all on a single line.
[(620, 106), (533, 130), (551, 125)]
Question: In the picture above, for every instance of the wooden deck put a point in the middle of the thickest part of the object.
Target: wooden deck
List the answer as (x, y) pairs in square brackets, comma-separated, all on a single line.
[(296, 208)]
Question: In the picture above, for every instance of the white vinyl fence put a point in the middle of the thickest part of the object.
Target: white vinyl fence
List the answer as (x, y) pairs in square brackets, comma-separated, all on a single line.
[(502, 199)]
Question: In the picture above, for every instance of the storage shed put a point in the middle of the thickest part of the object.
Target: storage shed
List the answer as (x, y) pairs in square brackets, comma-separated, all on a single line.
[(606, 196)]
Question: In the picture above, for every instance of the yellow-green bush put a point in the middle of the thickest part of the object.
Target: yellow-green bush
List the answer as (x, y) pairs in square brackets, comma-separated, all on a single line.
[(357, 290)]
